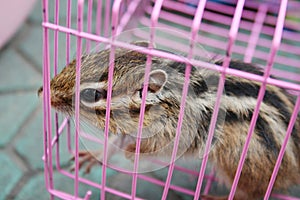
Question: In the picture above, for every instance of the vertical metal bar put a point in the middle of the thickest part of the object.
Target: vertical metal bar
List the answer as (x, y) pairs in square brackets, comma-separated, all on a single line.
[(99, 17), (115, 20), (194, 33), (45, 62), (232, 35), (275, 46), (107, 17), (89, 24), (68, 47), (154, 19), (56, 22), (276, 43), (68, 22), (48, 170), (128, 15), (255, 32), (77, 94), (283, 147)]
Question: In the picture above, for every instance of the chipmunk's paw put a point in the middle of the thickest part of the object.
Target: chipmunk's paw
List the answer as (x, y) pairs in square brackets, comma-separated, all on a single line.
[(210, 197), (89, 159)]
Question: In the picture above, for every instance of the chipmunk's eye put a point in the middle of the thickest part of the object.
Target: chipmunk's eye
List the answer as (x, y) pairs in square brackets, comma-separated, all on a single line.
[(92, 95), (141, 92)]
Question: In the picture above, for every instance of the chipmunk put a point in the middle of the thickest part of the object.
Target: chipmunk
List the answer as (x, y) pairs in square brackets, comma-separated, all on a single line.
[(162, 109)]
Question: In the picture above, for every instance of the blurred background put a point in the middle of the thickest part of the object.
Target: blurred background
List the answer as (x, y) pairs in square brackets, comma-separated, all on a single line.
[(21, 146)]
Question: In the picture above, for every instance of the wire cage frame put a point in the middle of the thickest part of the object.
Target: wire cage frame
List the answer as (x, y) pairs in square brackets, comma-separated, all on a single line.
[(264, 32)]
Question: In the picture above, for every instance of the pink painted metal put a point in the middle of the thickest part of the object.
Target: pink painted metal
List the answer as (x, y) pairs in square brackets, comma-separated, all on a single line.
[(195, 28), (115, 19), (77, 95), (233, 29), (275, 45)]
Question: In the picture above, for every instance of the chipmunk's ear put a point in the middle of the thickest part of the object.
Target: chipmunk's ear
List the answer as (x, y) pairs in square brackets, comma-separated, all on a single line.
[(157, 80)]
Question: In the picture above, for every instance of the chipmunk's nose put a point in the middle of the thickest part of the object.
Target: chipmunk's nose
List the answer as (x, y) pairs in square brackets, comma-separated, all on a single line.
[(40, 92)]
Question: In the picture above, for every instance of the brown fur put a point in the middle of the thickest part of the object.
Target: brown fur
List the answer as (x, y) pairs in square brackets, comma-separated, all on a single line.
[(162, 109)]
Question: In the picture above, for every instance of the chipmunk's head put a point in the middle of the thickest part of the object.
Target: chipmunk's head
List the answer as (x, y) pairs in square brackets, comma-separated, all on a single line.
[(128, 81)]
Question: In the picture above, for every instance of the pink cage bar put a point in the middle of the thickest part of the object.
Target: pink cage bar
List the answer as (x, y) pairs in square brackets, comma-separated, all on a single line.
[(265, 32)]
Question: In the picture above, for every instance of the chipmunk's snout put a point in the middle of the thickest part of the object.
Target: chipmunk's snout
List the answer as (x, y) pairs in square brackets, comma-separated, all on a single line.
[(40, 92)]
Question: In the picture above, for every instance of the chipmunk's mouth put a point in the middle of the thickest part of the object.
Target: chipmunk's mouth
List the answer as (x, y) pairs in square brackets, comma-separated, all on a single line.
[(57, 104), (64, 109)]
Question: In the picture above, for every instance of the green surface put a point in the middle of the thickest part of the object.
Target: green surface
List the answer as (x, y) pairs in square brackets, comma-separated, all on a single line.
[(10, 123), (10, 174)]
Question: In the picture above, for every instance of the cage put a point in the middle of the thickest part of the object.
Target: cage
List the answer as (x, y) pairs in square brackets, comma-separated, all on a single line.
[(194, 33)]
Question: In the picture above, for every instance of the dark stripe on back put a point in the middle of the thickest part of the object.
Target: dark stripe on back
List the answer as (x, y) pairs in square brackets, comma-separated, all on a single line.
[(198, 85), (247, 89), (240, 89), (180, 67), (262, 129), (204, 125), (246, 67)]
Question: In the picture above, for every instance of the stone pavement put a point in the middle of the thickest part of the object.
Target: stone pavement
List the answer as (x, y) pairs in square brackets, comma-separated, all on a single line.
[(20, 117), (21, 143)]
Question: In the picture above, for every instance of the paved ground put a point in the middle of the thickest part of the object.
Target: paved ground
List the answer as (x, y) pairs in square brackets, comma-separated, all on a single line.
[(20, 117), (21, 144)]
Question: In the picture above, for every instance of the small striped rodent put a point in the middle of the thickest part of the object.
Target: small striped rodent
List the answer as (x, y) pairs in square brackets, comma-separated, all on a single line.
[(162, 109)]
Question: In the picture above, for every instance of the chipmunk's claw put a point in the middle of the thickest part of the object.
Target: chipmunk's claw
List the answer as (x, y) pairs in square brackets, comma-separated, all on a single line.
[(88, 158)]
